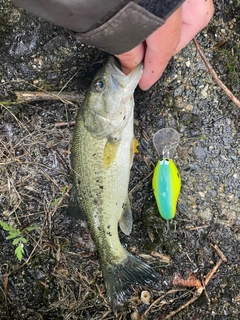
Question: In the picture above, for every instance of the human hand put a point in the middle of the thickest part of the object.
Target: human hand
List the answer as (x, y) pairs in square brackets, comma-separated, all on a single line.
[(156, 51)]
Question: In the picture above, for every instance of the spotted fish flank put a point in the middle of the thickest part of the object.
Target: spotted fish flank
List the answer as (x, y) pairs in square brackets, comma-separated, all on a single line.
[(102, 155)]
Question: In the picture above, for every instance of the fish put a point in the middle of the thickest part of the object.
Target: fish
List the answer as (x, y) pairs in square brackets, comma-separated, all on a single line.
[(166, 184), (102, 156)]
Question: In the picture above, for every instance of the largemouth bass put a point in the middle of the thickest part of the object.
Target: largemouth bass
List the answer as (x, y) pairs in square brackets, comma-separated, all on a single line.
[(102, 155)]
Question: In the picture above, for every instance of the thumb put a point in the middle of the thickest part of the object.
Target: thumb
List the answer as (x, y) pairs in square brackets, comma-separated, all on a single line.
[(130, 59)]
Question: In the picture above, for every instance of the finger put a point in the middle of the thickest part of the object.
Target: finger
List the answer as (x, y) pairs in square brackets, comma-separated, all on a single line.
[(196, 14), (130, 59), (161, 46)]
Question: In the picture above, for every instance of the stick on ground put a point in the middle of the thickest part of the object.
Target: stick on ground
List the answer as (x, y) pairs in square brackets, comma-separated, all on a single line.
[(198, 290), (30, 96), (214, 75)]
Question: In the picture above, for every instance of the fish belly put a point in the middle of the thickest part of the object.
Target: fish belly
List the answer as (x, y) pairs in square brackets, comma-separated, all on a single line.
[(101, 176), (102, 170)]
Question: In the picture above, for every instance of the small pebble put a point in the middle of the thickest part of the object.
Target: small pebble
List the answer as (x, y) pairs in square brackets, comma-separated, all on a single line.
[(145, 297), (135, 315)]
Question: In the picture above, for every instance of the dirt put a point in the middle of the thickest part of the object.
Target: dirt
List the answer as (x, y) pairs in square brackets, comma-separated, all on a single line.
[(59, 276)]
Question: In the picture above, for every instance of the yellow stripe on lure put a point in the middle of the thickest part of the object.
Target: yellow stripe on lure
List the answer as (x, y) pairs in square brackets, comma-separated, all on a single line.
[(166, 180), (166, 185)]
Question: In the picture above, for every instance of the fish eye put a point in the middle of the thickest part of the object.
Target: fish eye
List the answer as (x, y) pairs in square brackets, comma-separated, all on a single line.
[(99, 85)]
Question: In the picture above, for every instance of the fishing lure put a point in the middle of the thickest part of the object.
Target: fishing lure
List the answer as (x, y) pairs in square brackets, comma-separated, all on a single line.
[(166, 180)]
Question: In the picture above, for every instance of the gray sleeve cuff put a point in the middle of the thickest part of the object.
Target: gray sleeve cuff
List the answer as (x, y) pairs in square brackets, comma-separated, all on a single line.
[(115, 26), (124, 31)]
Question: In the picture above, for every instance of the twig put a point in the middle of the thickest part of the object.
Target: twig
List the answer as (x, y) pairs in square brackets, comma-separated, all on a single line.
[(221, 43), (28, 259), (26, 262), (211, 273), (214, 75), (28, 96), (138, 185), (193, 299), (64, 124), (198, 291), (158, 300), (219, 252), (106, 314), (197, 228)]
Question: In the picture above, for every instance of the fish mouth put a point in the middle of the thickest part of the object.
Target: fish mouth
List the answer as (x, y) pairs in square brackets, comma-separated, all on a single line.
[(117, 77), (130, 81), (114, 83), (114, 67)]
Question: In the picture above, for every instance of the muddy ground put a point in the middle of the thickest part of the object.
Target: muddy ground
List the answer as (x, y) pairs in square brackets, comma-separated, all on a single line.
[(59, 276)]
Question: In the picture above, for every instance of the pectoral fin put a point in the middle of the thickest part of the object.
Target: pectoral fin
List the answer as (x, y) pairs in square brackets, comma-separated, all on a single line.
[(125, 222), (110, 152)]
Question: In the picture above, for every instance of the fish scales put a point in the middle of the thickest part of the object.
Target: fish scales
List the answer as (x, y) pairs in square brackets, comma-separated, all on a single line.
[(101, 191), (102, 154)]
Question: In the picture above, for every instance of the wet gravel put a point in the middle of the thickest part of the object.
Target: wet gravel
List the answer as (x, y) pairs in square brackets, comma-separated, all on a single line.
[(61, 278)]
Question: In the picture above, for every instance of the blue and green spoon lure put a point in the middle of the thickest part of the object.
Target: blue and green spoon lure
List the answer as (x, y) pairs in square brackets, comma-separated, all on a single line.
[(166, 180)]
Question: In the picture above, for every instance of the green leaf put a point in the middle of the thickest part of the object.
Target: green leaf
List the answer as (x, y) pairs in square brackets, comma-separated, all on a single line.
[(19, 252), (55, 202), (7, 103), (16, 241), (23, 240), (64, 189), (14, 234), (31, 228), (5, 226)]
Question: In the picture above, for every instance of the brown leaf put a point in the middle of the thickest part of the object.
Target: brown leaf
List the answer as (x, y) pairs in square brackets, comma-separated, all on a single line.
[(191, 281)]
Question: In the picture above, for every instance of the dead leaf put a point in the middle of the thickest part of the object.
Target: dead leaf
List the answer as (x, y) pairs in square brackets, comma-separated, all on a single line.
[(191, 281)]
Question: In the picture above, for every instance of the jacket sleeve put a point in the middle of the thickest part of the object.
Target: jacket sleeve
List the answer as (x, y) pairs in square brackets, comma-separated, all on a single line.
[(115, 26)]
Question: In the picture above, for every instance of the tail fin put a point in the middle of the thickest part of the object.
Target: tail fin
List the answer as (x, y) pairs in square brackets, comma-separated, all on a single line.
[(119, 278)]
